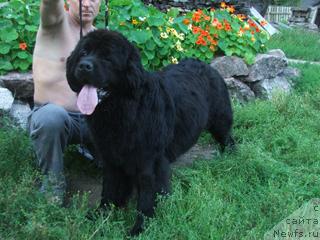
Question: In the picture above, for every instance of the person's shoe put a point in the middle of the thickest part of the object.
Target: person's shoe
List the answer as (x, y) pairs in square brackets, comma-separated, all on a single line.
[(53, 189)]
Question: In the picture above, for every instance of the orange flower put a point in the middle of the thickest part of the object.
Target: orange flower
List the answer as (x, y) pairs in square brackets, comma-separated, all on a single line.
[(215, 22), (252, 32), (253, 39), (223, 5), (197, 15), (212, 48), (207, 18), (258, 30), (241, 17), (263, 23), (214, 42), (186, 21), (219, 26), (227, 27), (215, 35), (23, 46), (134, 22), (196, 18), (195, 29), (201, 41), (204, 33), (251, 23), (231, 9), (212, 9)]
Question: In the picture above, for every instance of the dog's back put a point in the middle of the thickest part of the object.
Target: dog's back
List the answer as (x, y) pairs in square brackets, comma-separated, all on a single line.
[(201, 102)]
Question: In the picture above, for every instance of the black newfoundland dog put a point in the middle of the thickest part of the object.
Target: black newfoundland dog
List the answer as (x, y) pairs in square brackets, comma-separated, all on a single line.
[(144, 120)]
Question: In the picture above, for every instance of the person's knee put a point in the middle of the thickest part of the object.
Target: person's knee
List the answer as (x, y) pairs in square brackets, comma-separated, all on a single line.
[(51, 119)]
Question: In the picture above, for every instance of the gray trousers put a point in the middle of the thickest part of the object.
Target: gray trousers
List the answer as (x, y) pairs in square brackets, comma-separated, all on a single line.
[(51, 129)]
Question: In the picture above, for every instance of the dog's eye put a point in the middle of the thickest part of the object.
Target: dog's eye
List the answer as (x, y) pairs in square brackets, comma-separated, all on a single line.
[(83, 53)]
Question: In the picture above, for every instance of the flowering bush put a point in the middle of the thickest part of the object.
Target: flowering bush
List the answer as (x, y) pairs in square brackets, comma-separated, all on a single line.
[(159, 36), (221, 31), (18, 29), (162, 38), (167, 38)]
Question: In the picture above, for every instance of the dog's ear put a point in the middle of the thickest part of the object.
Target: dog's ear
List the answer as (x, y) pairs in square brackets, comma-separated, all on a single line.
[(134, 69), (70, 71), (70, 67)]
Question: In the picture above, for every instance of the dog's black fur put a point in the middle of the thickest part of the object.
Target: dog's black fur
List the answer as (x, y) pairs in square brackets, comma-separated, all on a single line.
[(148, 119)]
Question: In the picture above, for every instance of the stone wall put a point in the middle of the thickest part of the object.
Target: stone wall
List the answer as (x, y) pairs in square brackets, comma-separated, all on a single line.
[(269, 74)]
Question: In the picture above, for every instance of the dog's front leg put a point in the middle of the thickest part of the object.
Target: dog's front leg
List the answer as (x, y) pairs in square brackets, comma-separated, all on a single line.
[(117, 187), (146, 200)]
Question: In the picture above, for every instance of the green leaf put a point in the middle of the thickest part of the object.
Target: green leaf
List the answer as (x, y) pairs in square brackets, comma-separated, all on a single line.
[(222, 44), (228, 52), (5, 23), (9, 36), (4, 48), (6, 65), (144, 59), (155, 21), (150, 55), (163, 51), (140, 37), (150, 45), (23, 54), (31, 28), (173, 12), (24, 65), (209, 54)]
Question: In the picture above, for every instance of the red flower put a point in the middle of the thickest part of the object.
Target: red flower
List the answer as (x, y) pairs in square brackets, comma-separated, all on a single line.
[(195, 29), (23, 46), (201, 41)]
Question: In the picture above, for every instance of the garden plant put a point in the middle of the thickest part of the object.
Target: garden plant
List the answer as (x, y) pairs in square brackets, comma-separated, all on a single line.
[(162, 38)]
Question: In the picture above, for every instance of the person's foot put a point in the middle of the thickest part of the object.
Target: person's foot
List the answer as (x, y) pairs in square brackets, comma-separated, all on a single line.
[(53, 189)]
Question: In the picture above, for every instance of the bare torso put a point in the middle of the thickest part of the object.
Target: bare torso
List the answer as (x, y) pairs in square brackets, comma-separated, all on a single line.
[(52, 48)]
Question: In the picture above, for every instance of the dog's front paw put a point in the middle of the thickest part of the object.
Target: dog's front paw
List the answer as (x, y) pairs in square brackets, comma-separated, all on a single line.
[(136, 230), (138, 226)]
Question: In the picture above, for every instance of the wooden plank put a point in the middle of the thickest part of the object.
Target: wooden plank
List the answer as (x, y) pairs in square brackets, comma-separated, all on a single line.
[(268, 27)]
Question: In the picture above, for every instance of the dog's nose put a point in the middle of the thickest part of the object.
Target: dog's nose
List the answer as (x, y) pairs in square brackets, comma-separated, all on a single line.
[(85, 66)]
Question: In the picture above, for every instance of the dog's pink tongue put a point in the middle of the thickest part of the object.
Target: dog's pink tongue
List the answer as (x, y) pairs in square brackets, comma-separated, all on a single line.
[(87, 99)]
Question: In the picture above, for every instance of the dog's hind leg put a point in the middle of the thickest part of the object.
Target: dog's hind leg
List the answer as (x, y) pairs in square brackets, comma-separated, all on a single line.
[(221, 132), (117, 187), (162, 170)]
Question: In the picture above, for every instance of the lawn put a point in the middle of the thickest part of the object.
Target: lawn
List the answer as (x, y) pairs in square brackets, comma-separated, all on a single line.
[(238, 195), (298, 44)]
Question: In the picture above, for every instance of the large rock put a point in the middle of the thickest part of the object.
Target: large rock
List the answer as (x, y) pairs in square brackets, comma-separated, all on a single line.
[(277, 53), (239, 90), (20, 84), (266, 88), (6, 99), (291, 73), (230, 66), (266, 66), (20, 111)]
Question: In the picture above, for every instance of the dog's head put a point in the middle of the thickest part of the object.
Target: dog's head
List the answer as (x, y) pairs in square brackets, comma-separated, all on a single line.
[(105, 60)]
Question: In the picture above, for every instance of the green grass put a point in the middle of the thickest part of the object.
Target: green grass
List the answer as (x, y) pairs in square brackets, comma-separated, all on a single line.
[(297, 44), (235, 196)]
